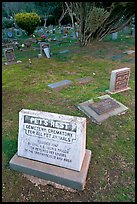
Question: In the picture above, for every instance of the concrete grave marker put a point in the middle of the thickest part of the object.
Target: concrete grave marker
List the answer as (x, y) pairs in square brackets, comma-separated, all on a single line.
[(52, 146), (119, 80), (103, 109)]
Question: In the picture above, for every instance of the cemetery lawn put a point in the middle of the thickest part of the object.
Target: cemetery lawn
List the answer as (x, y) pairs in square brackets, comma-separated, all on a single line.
[(111, 175)]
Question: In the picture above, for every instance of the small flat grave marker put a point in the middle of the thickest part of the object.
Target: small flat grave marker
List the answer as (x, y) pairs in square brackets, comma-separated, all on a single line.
[(64, 51), (119, 80), (52, 146), (60, 84), (129, 52), (118, 56), (100, 111), (84, 80)]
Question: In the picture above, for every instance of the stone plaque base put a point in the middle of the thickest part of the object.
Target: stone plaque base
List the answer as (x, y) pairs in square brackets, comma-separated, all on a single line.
[(118, 91), (97, 118), (63, 176)]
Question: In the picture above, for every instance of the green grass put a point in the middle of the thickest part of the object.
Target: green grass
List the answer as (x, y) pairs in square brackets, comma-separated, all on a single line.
[(111, 175)]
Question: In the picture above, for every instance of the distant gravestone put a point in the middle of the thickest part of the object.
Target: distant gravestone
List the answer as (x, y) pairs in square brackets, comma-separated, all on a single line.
[(59, 85), (52, 146), (77, 34), (10, 56), (44, 49), (118, 56), (114, 36), (133, 31), (103, 109), (18, 32), (126, 29), (119, 80), (9, 34)]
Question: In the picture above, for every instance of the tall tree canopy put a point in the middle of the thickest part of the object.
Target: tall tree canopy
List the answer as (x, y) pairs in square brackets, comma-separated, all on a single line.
[(98, 19), (51, 11), (95, 19)]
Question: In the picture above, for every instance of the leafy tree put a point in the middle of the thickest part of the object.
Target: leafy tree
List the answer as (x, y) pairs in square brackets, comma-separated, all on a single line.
[(27, 21), (48, 12), (11, 8), (98, 19)]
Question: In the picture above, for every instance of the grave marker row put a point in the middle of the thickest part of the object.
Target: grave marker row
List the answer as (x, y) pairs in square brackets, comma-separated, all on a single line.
[(53, 146)]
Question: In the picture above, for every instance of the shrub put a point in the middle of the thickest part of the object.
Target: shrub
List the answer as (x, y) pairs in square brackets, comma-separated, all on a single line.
[(27, 21)]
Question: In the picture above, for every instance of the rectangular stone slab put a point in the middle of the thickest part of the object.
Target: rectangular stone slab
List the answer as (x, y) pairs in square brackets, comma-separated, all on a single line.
[(63, 176), (64, 51), (60, 84), (84, 80)]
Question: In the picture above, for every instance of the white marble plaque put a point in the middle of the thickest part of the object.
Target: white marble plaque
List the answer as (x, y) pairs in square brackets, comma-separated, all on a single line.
[(119, 80), (52, 138)]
